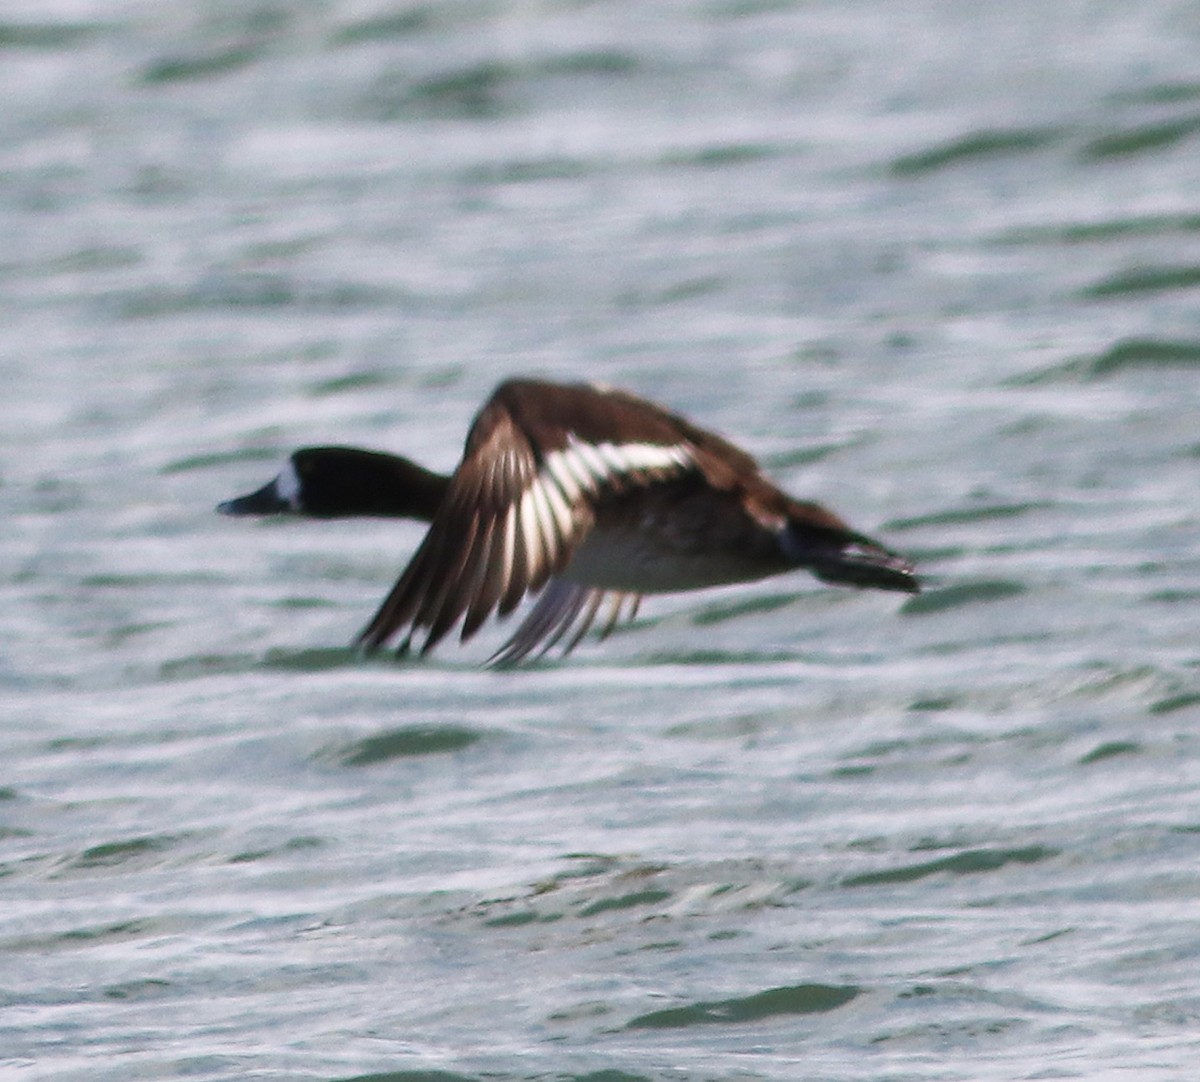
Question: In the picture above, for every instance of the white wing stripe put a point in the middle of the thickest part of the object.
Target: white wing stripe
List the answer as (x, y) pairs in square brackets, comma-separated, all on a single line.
[(531, 535), (644, 456), (578, 468), (615, 459), (558, 465), (588, 457), (543, 519), (508, 549), (608, 461), (558, 507)]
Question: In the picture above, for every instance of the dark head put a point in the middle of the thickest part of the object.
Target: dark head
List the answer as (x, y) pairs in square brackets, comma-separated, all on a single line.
[(345, 482)]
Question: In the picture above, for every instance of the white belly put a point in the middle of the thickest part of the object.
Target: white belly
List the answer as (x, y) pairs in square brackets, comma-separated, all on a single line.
[(630, 561)]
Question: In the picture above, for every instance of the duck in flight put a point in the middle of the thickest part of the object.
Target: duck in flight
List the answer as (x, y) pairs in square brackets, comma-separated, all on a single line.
[(587, 495)]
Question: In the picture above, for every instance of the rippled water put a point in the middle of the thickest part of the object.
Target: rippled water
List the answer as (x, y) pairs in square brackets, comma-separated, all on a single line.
[(937, 264)]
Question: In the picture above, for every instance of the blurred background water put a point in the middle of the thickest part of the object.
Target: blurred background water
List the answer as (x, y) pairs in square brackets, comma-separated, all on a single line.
[(937, 264)]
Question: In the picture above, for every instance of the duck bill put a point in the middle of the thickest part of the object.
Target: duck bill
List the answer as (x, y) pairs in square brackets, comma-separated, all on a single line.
[(263, 501)]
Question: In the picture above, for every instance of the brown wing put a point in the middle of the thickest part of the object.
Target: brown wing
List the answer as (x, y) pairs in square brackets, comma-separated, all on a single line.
[(538, 459), (562, 604)]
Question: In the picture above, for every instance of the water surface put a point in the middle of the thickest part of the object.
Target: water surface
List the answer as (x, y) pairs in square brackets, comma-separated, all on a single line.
[(937, 265)]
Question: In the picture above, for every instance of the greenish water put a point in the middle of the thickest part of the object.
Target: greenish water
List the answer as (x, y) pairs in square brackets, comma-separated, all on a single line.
[(935, 265)]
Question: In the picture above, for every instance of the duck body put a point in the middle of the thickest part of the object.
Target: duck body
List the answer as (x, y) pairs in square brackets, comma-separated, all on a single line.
[(585, 495)]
